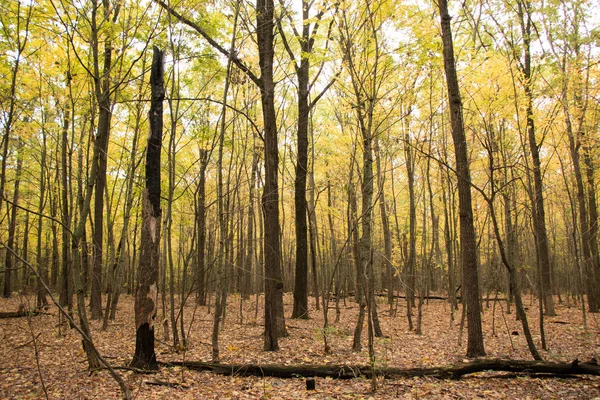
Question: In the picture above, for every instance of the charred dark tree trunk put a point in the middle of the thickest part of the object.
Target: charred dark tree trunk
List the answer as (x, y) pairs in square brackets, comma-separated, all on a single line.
[(146, 292)]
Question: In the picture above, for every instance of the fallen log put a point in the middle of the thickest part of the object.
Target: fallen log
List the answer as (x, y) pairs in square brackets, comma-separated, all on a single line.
[(455, 371), (437, 297), (350, 295), (18, 314)]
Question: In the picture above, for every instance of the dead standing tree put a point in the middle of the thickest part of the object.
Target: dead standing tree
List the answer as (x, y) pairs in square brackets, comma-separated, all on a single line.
[(146, 293)]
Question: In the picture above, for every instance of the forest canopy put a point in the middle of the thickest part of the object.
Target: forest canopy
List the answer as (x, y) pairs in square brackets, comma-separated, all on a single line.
[(187, 153)]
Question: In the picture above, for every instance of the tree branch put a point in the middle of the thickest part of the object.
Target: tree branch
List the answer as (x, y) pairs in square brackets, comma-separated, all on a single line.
[(212, 42)]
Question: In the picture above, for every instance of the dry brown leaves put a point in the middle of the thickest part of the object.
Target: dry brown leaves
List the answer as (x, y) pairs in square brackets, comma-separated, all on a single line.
[(63, 365)]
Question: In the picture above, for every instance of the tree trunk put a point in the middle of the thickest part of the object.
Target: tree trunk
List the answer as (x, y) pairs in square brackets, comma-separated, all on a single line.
[(200, 271), (171, 162), (313, 236), (103, 98), (41, 299), (539, 215), (22, 36), (272, 247), (467, 231), (300, 309), (25, 252), (250, 235), (222, 211), (449, 247), (412, 207), (146, 292), (593, 215), (122, 255), (574, 146), (8, 263), (385, 223), (66, 208)]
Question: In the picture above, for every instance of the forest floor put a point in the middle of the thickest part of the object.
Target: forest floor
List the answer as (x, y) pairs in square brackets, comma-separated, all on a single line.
[(62, 363)]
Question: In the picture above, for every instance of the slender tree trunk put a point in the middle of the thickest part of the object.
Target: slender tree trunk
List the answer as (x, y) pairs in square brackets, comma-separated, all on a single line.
[(449, 251), (412, 218), (272, 246), (467, 231), (385, 223), (594, 220), (250, 235), (359, 277), (313, 233), (103, 97), (66, 207), (78, 234), (574, 146), (200, 272), (334, 252), (98, 234), (22, 36), (223, 214), (494, 143), (25, 252), (8, 263), (122, 255), (171, 162), (82, 178), (41, 300), (539, 214), (300, 309)]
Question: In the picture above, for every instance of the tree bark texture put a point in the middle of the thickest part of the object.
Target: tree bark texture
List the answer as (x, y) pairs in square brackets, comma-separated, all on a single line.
[(539, 214), (300, 309), (467, 231), (146, 292), (355, 371), (270, 200), (385, 224), (66, 207), (8, 264), (103, 97), (594, 220), (200, 272)]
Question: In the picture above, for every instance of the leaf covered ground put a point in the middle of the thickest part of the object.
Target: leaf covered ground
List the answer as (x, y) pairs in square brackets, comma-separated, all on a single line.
[(62, 363)]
